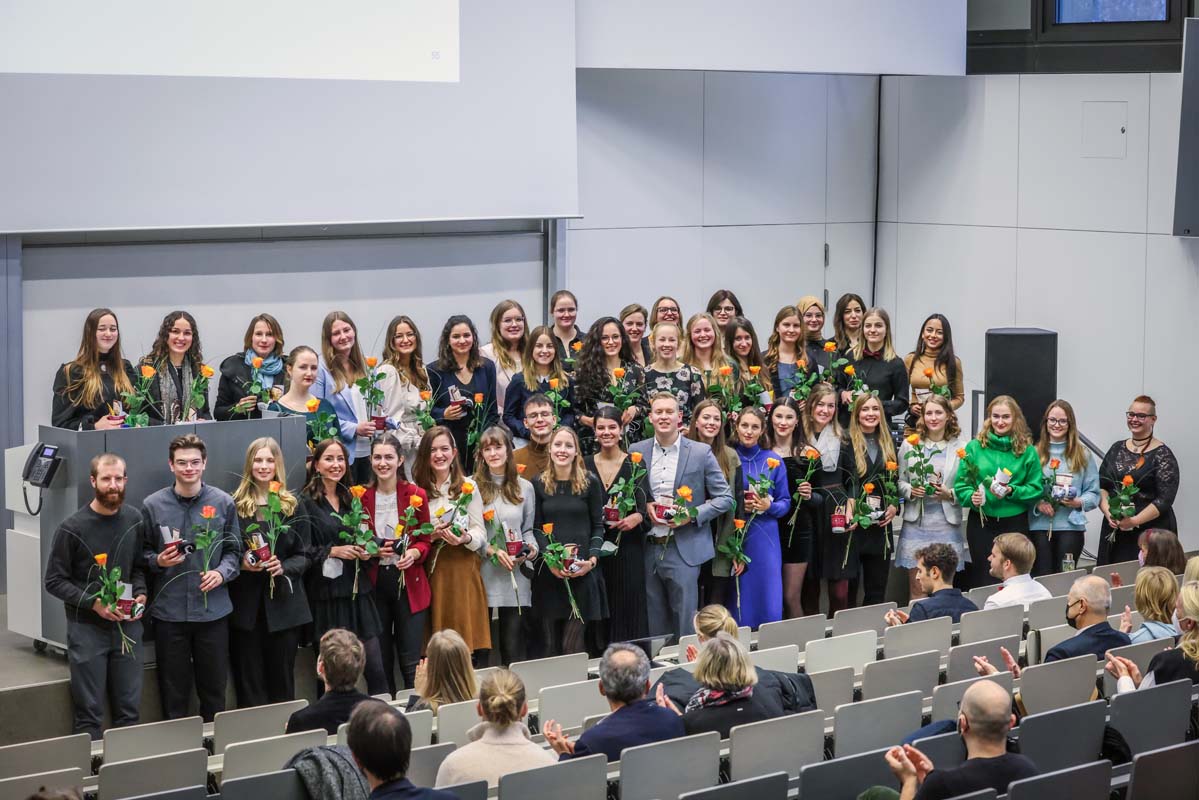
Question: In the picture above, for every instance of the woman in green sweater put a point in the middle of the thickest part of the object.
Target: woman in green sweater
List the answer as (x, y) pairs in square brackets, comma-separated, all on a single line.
[(998, 481)]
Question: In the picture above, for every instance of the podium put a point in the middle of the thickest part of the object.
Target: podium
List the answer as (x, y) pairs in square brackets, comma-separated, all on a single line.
[(32, 611)]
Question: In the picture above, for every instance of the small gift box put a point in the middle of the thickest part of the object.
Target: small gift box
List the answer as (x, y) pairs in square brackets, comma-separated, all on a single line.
[(380, 422), (664, 508), (570, 558), (611, 513), (922, 395), (125, 602), (838, 519), (180, 546), (513, 542), (258, 551), (999, 484), (876, 506)]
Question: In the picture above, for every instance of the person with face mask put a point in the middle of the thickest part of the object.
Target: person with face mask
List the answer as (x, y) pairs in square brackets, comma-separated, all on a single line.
[(984, 719), (103, 533), (1169, 665)]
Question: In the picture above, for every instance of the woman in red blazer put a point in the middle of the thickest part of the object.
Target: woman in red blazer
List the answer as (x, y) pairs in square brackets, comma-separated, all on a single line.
[(401, 592)]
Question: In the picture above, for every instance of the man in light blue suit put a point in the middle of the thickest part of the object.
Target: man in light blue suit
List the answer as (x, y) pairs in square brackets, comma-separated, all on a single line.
[(676, 548)]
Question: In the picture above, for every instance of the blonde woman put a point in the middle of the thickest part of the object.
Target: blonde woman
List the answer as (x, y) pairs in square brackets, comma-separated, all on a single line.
[(667, 372), (1169, 665), (784, 350), (270, 605), (876, 364), (1076, 491), (509, 335), (707, 426), (86, 388), (542, 370), (864, 464), (1001, 483), (406, 386), (822, 432), (703, 349), (1155, 596), (445, 675), (500, 743), (341, 364)]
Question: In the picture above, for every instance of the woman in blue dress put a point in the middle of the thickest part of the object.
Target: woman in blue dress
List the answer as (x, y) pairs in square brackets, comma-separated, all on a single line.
[(757, 594)]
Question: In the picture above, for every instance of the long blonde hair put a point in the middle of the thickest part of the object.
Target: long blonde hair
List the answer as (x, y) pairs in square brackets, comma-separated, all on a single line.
[(87, 389), (719, 357), (857, 438), (528, 367), (1076, 454), (449, 676), (1189, 644), (1021, 437), (1156, 593), (859, 347), (509, 487), (245, 497), (499, 345), (771, 358), (818, 393), (579, 477), (341, 377)]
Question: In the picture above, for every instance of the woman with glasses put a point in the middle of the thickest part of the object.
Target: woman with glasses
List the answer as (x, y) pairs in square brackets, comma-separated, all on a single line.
[(723, 305), (564, 308), (666, 309), (1057, 524), (1144, 465), (509, 335)]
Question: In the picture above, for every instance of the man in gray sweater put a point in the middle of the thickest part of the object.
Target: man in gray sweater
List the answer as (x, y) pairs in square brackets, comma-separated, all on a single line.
[(192, 548)]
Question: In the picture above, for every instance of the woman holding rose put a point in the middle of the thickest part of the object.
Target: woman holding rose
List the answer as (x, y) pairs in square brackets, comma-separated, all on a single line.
[(757, 592), (177, 361), (708, 426), (509, 337), (703, 350), (466, 386), (408, 390), (822, 433), (261, 361), (870, 471), (741, 343), (873, 361), (1057, 523), (303, 366), (667, 373), (342, 366), (784, 351), (786, 439), (607, 371), (86, 389), (933, 364), (541, 372)]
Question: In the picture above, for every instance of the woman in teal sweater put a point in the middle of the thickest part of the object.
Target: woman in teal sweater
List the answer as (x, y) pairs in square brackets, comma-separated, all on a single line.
[(1057, 525), (998, 481)]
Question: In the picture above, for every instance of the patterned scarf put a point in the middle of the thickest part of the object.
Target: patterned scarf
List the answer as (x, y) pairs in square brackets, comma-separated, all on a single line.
[(709, 698), (172, 405)]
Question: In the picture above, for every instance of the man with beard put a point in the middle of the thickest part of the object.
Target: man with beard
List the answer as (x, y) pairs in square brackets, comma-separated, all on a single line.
[(104, 644)]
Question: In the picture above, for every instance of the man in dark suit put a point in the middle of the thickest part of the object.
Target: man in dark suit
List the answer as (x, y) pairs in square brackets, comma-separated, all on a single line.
[(635, 719), (935, 566), (1086, 610), (380, 740), (339, 665), (675, 549)]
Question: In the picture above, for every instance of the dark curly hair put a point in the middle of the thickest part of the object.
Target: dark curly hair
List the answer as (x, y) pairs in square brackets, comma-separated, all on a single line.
[(591, 373), (161, 349), (445, 353)]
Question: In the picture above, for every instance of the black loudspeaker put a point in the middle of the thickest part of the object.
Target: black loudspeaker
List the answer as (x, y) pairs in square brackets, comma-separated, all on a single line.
[(1022, 362)]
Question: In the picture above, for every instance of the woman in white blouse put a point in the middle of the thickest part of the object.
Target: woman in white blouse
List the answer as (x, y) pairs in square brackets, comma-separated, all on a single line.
[(509, 335), (404, 379)]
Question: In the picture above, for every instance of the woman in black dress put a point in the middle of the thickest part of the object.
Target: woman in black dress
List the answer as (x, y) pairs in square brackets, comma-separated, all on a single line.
[(263, 340), (606, 365), (876, 364), (570, 501), (633, 318), (624, 569), (823, 434), (564, 308), (464, 380), (866, 460), (1154, 471), (785, 435), (708, 426), (667, 373), (177, 360), (86, 388), (270, 605), (331, 579)]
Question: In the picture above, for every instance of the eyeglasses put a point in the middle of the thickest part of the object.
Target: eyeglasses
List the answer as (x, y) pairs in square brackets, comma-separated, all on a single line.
[(539, 415), (195, 464), (511, 320), (1057, 423), (667, 310), (610, 339), (727, 309), (1139, 417)]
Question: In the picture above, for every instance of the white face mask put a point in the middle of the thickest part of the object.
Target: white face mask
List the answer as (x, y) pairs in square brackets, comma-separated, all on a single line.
[(1141, 557)]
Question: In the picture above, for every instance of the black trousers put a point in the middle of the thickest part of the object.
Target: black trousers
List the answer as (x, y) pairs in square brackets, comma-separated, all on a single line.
[(981, 537), (403, 632), (875, 571), (100, 669), (513, 634), (192, 654), (264, 663), (1051, 552)]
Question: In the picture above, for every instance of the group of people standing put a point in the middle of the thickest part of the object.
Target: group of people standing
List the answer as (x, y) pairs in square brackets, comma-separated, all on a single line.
[(586, 487)]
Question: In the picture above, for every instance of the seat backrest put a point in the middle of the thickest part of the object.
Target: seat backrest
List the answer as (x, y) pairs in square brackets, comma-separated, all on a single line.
[(917, 672), (1086, 781), (571, 703), (832, 687), (979, 594), (871, 724), (1165, 774), (1127, 570), (576, 779), (154, 774), (1047, 639), (981, 794), (555, 671), (946, 751), (21, 786), (1140, 654), (421, 723), (1155, 717), (947, 697), (917, 637), (594, 719), (47, 755), (866, 618), (781, 659), (186, 793), (961, 657), (282, 785), (1046, 613), (786, 743), (1064, 737), (475, 790), (248, 724), (1123, 596), (670, 768), (455, 719), (268, 755), (792, 631), (978, 626), (1057, 684), (852, 650), (153, 739), (1137, 621), (764, 787), (658, 672), (1059, 583), (845, 778), (422, 769)]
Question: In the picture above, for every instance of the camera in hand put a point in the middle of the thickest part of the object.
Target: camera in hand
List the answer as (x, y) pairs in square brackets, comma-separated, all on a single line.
[(181, 546)]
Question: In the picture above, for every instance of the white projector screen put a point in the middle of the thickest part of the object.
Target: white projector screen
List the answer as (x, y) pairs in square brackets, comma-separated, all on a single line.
[(386, 40)]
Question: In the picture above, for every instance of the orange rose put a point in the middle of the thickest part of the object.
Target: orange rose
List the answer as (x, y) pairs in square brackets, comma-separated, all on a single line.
[(148, 371), (416, 501), (478, 398), (811, 454), (520, 469), (372, 362), (961, 452), (101, 559), (1126, 480), (618, 373), (801, 365), (830, 347), (684, 492), (1054, 463), (312, 405), (275, 487), (426, 395), (468, 487), (553, 382), (772, 462), (256, 362), (358, 490), (868, 488), (577, 346), (738, 524), (754, 370), (850, 371), (892, 466), (208, 512), (548, 529), (914, 439), (726, 370), (489, 515), (928, 372), (206, 371), (635, 458)]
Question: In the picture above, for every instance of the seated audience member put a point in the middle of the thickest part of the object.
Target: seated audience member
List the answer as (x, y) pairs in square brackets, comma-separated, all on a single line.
[(445, 674), (500, 743), (1161, 548), (1169, 665), (726, 697), (1155, 596), (635, 719), (339, 665), (984, 719), (1191, 573), (1011, 559), (935, 566), (380, 740)]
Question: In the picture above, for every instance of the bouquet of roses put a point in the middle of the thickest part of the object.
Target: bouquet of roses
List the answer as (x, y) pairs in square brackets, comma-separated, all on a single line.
[(623, 395), (206, 541), (556, 397), (356, 530), (198, 391), (863, 517), (734, 548), (498, 539), (112, 595), (1120, 505), (408, 528), (813, 457), (622, 500), (920, 468), (136, 401), (972, 476), (457, 509), (323, 427), (368, 385), (478, 414), (422, 411), (271, 527), (557, 556)]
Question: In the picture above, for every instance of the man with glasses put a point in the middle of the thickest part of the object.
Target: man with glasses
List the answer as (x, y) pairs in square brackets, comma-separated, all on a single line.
[(539, 419), (192, 547)]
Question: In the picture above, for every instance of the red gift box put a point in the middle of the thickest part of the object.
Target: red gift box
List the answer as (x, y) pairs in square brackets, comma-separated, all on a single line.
[(612, 514), (380, 422), (838, 521)]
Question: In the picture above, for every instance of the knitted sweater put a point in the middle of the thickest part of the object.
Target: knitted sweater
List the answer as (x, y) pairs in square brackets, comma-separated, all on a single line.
[(1025, 482), (492, 753)]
